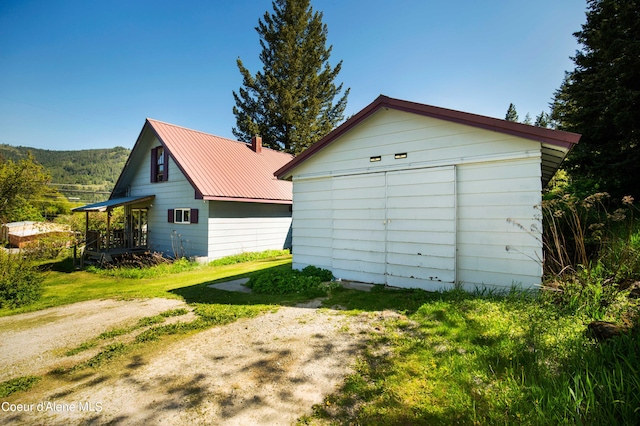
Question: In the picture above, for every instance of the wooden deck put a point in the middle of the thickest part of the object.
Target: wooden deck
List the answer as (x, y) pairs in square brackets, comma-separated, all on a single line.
[(99, 257)]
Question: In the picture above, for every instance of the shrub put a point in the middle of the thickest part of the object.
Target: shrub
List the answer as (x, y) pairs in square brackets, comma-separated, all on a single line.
[(47, 247), (308, 281), (314, 271), (20, 281)]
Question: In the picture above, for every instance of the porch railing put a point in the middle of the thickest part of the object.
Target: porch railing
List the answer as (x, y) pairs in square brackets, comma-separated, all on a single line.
[(118, 239)]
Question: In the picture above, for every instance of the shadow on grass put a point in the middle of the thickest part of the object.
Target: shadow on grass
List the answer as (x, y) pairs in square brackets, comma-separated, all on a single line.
[(58, 265), (202, 293), (379, 298)]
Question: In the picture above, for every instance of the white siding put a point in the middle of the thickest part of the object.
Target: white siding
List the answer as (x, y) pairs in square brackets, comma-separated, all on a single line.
[(359, 227), (421, 230), (428, 142), (462, 218), (312, 215), (177, 192), (494, 200), (236, 227), (396, 228)]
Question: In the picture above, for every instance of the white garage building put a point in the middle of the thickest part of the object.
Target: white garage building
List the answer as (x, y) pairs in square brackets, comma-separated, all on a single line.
[(412, 195)]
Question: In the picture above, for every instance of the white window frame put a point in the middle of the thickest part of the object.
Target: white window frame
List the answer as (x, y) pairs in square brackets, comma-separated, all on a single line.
[(180, 214)]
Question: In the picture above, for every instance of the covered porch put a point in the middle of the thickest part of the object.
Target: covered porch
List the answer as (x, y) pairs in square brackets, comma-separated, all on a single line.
[(117, 239)]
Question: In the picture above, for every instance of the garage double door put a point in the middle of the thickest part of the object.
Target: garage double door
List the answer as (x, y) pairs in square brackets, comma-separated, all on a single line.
[(397, 228)]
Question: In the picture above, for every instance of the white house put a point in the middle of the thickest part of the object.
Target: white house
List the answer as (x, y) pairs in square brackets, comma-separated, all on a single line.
[(411, 195), (188, 193)]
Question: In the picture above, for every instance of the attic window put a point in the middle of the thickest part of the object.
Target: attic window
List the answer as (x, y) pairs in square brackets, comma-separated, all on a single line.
[(374, 159), (401, 155), (159, 165)]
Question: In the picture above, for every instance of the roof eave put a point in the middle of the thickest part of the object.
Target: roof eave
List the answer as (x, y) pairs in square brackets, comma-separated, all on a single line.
[(117, 186), (112, 203), (246, 200)]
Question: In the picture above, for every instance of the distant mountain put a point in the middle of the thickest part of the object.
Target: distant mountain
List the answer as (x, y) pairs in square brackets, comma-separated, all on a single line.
[(76, 174)]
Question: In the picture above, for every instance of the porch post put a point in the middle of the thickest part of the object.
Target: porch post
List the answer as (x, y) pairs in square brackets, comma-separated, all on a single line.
[(108, 230), (128, 226)]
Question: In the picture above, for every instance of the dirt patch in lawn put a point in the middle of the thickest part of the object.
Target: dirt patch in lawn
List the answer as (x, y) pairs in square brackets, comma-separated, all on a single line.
[(266, 370), (31, 344)]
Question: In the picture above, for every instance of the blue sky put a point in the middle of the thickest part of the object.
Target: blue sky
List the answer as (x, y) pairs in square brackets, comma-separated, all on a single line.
[(78, 74)]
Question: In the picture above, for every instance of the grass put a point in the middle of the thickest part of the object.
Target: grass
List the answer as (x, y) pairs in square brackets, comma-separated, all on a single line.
[(248, 257), (64, 286), (18, 384), (435, 358), (459, 358)]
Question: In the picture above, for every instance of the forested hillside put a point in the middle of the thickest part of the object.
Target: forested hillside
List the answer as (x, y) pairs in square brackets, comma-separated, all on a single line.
[(86, 167), (84, 175)]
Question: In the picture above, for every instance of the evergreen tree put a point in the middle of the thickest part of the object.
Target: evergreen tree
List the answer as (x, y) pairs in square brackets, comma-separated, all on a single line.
[(527, 119), (542, 120), (512, 114), (290, 102), (600, 99)]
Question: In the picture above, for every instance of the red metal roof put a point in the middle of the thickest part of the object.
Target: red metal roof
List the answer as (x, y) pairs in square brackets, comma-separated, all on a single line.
[(556, 138), (224, 169)]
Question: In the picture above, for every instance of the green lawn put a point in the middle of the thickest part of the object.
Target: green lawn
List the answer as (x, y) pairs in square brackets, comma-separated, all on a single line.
[(63, 285), (434, 359), (484, 359)]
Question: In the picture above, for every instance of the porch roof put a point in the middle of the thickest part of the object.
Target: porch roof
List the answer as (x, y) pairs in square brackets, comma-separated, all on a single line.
[(110, 204)]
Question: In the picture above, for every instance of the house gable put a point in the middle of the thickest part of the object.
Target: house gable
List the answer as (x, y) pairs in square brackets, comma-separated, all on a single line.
[(553, 144), (388, 139)]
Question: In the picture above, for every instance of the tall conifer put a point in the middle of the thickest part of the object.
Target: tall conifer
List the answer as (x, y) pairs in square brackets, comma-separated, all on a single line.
[(600, 99), (512, 114), (290, 103)]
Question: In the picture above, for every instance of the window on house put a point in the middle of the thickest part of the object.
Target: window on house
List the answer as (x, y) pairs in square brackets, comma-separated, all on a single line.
[(183, 215), (159, 165)]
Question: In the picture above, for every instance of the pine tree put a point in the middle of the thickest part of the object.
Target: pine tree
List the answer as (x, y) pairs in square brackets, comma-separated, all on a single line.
[(600, 99), (512, 114), (527, 119), (543, 120), (290, 103)]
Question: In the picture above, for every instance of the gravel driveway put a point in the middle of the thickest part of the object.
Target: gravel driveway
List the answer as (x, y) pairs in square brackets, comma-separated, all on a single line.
[(265, 370)]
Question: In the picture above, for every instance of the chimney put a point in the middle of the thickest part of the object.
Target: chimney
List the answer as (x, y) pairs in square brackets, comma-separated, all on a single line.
[(256, 144)]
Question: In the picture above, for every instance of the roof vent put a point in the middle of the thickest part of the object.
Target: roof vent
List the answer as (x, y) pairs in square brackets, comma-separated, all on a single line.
[(256, 144)]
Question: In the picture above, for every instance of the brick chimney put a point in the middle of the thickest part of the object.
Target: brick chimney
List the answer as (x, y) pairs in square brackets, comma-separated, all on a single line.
[(256, 144)]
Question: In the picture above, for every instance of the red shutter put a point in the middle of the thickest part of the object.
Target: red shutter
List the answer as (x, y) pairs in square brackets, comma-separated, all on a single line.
[(170, 216), (194, 216), (154, 164), (166, 166)]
